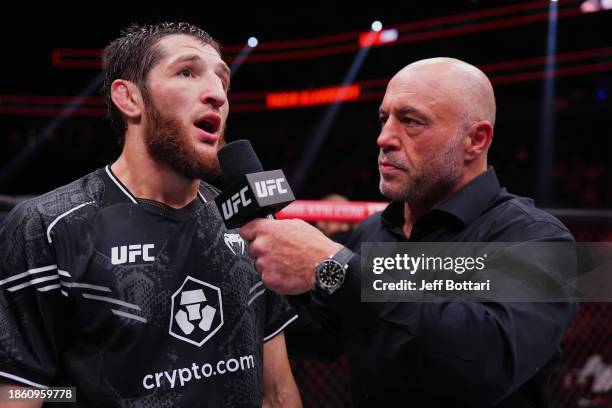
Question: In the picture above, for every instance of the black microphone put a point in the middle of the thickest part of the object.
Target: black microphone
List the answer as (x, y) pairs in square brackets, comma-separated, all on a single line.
[(249, 192)]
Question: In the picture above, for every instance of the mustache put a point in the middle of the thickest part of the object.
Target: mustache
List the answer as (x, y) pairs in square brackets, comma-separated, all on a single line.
[(393, 161)]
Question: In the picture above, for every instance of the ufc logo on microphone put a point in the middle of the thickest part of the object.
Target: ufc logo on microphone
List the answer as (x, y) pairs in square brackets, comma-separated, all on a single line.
[(266, 188), (130, 253), (230, 206)]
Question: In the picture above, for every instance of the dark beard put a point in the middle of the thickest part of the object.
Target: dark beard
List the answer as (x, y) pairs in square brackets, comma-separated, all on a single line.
[(167, 143)]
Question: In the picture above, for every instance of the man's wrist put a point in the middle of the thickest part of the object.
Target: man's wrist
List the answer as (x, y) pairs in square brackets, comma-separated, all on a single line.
[(331, 271), (328, 251)]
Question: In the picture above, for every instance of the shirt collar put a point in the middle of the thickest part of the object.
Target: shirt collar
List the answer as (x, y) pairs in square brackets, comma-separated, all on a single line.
[(466, 205), (473, 199)]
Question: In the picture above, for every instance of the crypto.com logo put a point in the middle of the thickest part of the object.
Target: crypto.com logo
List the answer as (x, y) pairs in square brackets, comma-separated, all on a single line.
[(197, 312)]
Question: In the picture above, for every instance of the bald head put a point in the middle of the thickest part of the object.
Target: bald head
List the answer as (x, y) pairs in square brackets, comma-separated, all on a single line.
[(467, 87), (437, 119)]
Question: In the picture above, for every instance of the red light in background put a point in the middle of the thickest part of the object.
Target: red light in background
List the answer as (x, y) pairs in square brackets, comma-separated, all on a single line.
[(312, 97), (373, 38)]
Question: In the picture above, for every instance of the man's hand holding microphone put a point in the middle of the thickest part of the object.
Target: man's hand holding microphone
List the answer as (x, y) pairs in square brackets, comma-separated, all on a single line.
[(292, 256)]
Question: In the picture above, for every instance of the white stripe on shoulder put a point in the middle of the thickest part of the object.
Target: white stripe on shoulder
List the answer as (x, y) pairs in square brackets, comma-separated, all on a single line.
[(21, 380), (269, 336), (202, 197), (62, 216), (28, 272), (127, 193)]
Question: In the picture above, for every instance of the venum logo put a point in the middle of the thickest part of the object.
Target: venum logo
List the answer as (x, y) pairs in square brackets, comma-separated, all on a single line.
[(131, 253), (234, 242), (197, 312), (266, 188), (230, 206)]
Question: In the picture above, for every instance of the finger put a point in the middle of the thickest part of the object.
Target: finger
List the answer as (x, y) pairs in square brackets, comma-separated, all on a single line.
[(259, 266), (254, 249), (250, 229)]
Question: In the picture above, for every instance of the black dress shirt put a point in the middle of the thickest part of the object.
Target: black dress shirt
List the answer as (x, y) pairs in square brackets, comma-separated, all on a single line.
[(445, 354)]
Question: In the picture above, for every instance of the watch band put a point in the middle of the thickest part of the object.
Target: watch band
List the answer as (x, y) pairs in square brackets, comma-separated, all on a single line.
[(341, 260), (343, 256)]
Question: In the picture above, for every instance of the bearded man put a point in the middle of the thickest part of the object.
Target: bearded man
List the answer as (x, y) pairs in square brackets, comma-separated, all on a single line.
[(125, 283)]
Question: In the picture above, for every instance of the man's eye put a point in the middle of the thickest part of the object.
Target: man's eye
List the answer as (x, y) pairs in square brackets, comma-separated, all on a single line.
[(411, 121), (382, 120), (186, 73)]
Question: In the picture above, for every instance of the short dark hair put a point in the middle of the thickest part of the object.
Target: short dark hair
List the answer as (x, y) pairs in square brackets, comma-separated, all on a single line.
[(134, 54)]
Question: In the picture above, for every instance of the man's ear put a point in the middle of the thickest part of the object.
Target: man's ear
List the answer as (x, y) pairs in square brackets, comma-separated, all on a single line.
[(127, 98), (478, 139)]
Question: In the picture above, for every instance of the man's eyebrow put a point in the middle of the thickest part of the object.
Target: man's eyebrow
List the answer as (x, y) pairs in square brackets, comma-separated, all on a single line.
[(406, 110), (195, 57), (410, 110)]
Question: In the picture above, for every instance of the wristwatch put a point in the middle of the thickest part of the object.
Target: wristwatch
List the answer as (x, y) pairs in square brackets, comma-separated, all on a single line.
[(330, 273)]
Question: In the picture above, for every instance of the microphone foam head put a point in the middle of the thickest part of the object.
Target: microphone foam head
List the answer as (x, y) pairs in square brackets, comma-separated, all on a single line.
[(238, 159)]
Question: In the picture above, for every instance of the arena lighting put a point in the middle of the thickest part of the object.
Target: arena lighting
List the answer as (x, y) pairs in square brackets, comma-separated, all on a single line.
[(312, 97), (592, 6), (567, 64), (518, 14), (320, 133), (371, 90), (374, 38), (237, 62), (376, 26), (47, 131), (252, 42), (601, 94), (546, 144)]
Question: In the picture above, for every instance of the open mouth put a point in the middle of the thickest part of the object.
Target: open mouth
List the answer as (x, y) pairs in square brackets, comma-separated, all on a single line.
[(209, 123)]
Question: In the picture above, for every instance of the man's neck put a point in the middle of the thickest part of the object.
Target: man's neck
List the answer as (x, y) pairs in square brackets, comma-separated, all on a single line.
[(414, 211), (147, 178)]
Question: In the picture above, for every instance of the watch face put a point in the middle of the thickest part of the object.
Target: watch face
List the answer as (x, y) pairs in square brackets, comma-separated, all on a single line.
[(330, 274)]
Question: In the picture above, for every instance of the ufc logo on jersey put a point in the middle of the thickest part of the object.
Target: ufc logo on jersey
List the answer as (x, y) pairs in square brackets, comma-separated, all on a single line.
[(230, 207), (266, 188), (130, 253)]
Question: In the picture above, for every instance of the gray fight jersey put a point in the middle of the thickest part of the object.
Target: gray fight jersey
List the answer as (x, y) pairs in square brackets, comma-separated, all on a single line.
[(132, 302)]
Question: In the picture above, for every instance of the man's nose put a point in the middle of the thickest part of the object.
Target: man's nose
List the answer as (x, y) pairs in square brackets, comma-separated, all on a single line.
[(388, 138), (214, 93)]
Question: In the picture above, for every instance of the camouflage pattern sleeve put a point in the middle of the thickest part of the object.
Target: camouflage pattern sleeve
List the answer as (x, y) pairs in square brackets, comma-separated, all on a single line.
[(30, 300)]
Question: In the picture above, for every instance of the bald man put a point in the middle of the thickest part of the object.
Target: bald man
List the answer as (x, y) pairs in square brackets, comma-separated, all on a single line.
[(437, 120)]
